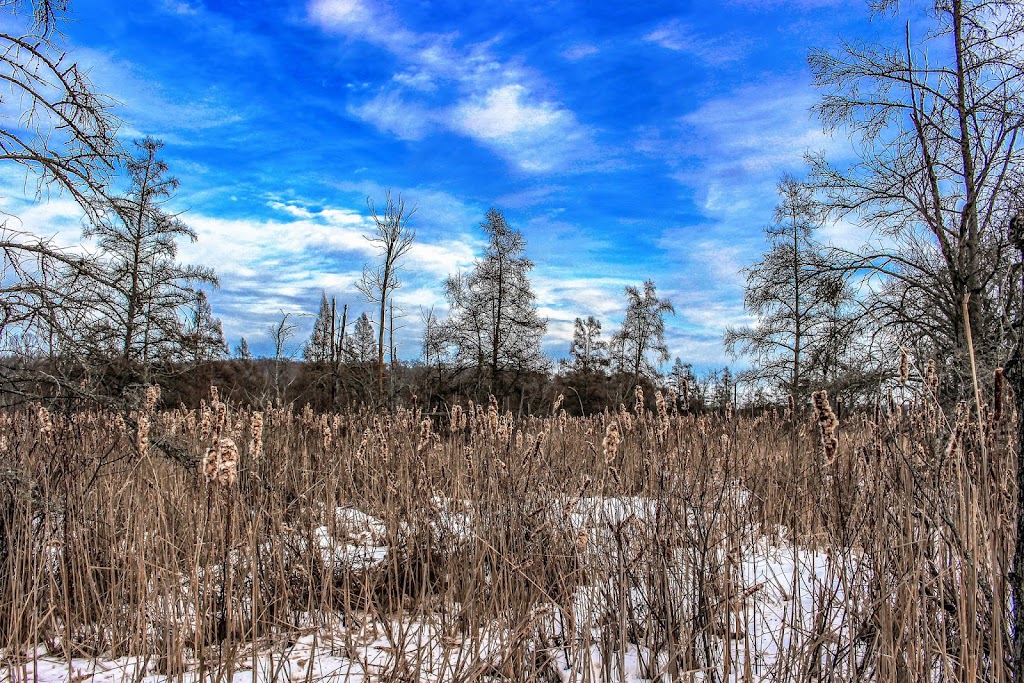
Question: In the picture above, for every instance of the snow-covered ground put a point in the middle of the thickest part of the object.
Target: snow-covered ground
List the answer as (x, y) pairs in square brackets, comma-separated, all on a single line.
[(782, 612)]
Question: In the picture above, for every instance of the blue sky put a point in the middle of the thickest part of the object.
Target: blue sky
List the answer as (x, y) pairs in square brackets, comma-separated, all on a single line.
[(625, 141)]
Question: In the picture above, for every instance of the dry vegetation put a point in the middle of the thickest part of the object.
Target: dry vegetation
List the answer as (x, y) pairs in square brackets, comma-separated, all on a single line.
[(482, 547)]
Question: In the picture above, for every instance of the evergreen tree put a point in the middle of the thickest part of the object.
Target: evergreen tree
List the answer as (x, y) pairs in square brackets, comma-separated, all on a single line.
[(242, 351)]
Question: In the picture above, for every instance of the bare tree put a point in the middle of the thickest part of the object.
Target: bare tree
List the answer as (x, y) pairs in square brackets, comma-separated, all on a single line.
[(394, 238), (494, 326), (281, 334), (204, 335), (936, 119), (62, 132), (790, 293), (588, 352), (148, 291), (642, 332)]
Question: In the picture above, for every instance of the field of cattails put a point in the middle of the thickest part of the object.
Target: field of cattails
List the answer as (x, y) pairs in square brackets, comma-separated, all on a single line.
[(271, 543)]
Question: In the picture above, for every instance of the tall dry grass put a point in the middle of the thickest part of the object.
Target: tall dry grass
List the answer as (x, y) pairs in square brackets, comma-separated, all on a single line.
[(482, 547)]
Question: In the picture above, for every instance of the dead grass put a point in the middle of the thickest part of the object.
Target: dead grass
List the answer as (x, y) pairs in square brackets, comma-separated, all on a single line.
[(528, 545)]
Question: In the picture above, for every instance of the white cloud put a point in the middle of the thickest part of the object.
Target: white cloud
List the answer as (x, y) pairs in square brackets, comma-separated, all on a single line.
[(537, 135), (388, 111), (466, 90), (502, 114), (581, 51), (339, 14), (677, 36), (151, 110)]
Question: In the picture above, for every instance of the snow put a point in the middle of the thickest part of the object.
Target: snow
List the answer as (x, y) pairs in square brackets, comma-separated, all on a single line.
[(777, 608)]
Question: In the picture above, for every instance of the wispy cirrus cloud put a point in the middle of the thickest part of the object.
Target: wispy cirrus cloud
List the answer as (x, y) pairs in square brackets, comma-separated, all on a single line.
[(679, 36), (468, 90)]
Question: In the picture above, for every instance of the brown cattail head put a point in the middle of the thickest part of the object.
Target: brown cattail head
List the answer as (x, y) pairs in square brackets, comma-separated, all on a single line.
[(458, 419), (638, 407), (218, 424), (827, 423), (661, 405), (558, 403), (904, 366), (325, 431), (220, 464), (611, 442), (256, 436), (492, 414), (45, 423), (152, 396), (142, 435)]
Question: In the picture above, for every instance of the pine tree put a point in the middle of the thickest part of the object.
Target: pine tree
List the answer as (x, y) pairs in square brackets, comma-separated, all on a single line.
[(242, 351)]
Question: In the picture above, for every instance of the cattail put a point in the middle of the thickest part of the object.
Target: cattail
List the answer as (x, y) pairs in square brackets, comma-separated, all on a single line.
[(611, 442), (152, 396), (325, 431), (205, 420), (728, 411), (45, 423), (582, 537), (458, 420), (904, 366), (959, 424), (558, 403), (519, 440), (563, 420), (119, 424), (220, 464), (827, 423), (214, 395), (659, 402), (998, 389), (492, 414), (673, 402), (142, 435), (638, 407), (256, 435), (218, 423)]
